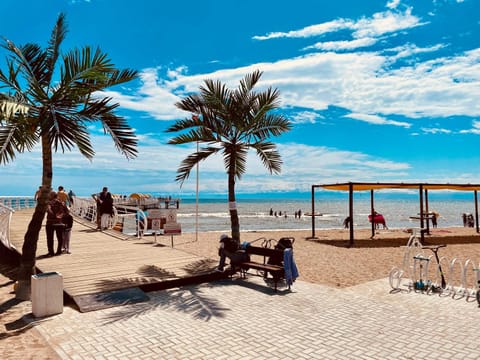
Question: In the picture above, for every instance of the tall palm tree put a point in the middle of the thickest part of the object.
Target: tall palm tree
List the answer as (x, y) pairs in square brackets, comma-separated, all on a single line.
[(58, 97), (231, 122)]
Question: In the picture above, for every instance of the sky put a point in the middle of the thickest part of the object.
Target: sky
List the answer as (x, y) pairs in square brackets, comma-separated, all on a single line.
[(376, 90)]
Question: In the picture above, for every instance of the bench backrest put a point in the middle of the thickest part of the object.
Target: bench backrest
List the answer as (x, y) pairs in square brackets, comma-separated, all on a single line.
[(256, 250)]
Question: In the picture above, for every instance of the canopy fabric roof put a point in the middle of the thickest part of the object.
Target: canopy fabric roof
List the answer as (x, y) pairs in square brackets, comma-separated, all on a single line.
[(363, 186)]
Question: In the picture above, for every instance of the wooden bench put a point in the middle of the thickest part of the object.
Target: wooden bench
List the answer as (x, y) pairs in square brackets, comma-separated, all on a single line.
[(276, 271)]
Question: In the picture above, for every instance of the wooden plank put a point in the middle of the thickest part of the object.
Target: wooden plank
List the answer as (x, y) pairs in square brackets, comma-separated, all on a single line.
[(109, 260)]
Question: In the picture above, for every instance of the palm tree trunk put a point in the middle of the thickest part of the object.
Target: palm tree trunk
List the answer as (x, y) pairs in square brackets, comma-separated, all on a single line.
[(29, 248), (232, 205)]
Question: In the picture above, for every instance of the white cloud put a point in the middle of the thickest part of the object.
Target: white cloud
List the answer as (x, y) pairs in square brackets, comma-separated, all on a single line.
[(379, 24), (385, 22), (359, 82), (436, 131), (474, 130), (157, 171), (393, 4), (343, 45), (309, 31), (377, 120), (304, 117)]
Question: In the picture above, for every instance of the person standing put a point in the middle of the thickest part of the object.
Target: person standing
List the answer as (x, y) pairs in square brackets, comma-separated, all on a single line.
[(56, 210), (99, 198), (62, 195), (37, 194), (106, 209), (67, 232), (71, 195)]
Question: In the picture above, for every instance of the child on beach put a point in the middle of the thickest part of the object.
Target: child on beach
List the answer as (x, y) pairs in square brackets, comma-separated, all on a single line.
[(67, 232)]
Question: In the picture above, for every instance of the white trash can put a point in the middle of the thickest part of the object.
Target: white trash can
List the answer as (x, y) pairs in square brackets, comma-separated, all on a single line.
[(47, 294)]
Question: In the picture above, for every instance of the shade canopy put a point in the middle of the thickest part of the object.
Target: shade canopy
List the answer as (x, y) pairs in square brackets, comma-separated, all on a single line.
[(363, 186), (423, 189)]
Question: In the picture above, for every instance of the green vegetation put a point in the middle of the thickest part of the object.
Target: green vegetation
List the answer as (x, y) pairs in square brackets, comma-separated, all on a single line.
[(50, 99), (231, 122)]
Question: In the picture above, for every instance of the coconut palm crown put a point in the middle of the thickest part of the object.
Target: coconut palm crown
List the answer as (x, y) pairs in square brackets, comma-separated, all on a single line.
[(231, 122)]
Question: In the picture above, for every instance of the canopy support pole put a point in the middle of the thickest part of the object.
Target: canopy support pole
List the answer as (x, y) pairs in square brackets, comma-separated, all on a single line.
[(313, 213), (422, 235), (427, 212), (350, 205), (372, 213), (476, 209)]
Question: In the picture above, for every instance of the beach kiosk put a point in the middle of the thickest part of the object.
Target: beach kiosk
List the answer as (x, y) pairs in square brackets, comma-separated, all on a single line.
[(423, 189)]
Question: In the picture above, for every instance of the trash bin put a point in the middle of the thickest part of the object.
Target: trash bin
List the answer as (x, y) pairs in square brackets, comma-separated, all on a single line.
[(47, 294)]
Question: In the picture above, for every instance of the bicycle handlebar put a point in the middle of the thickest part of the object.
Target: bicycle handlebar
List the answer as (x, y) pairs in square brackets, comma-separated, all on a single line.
[(421, 258)]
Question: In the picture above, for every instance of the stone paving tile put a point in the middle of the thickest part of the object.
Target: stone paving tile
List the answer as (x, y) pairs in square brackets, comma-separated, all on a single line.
[(238, 319)]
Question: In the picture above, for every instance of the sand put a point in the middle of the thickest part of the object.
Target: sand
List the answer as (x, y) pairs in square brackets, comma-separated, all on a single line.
[(327, 260)]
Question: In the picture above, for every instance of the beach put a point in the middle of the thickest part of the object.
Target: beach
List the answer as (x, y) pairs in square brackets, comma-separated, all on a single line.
[(326, 260), (329, 260)]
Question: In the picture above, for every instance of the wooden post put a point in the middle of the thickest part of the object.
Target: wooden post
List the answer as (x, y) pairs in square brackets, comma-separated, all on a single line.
[(350, 203)]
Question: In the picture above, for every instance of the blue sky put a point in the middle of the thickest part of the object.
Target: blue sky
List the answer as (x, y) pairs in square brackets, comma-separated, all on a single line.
[(376, 90)]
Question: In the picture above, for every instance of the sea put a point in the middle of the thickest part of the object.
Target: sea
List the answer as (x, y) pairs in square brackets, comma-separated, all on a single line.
[(292, 211)]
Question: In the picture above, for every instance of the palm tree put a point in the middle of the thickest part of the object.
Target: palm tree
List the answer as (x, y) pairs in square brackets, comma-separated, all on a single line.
[(231, 122), (56, 113)]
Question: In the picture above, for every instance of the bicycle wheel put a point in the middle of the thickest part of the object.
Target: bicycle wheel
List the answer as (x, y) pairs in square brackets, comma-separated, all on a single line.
[(478, 297)]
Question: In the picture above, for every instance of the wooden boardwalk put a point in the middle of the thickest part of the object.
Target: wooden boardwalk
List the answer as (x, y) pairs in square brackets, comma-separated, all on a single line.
[(101, 262)]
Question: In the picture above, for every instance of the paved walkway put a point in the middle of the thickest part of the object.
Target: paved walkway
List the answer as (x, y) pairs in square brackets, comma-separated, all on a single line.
[(238, 319)]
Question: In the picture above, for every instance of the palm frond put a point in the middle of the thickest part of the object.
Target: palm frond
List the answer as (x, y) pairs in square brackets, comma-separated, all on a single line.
[(182, 125), (234, 120), (235, 159), (271, 125), (269, 155), (53, 50), (249, 81), (7, 149), (122, 134), (16, 136), (186, 166)]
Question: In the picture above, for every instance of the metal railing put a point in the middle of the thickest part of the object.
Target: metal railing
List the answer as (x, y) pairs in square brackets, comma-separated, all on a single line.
[(18, 202), (458, 276), (131, 218), (5, 218)]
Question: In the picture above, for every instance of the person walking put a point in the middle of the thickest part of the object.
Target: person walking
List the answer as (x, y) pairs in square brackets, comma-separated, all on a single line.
[(56, 210)]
